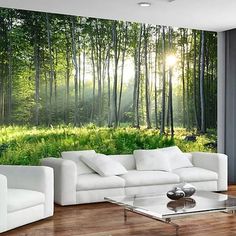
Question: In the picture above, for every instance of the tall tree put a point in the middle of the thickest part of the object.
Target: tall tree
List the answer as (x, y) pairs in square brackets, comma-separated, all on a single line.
[(10, 67), (37, 67), (115, 83), (94, 76), (195, 79), (98, 54), (162, 129), (157, 31), (147, 91), (187, 53), (183, 40), (202, 76), (122, 66), (109, 104), (67, 36), (51, 72), (75, 63), (137, 63), (170, 105)]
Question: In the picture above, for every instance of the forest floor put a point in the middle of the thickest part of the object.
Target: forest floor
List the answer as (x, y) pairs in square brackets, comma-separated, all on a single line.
[(25, 145)]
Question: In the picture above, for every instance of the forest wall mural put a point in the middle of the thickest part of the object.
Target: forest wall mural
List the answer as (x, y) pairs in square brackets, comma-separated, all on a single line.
[(69, 83)]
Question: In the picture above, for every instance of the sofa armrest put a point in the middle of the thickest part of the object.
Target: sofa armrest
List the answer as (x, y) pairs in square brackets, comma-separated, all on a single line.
[(215, 162), (65, 179), (37, 178), (3, 203)]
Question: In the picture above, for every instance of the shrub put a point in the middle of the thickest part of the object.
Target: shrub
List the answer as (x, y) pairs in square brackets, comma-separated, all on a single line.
[(27, 145)]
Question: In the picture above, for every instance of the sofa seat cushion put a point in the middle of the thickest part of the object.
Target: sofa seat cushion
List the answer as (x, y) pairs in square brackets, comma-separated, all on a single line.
[(142, 178), (195, 174), (95, 181), (18, 199)]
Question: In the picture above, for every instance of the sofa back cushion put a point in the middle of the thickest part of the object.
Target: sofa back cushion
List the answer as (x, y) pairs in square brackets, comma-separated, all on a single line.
[(75, 156), (177, 159), (104, 165), (127, 160), (151, 160)]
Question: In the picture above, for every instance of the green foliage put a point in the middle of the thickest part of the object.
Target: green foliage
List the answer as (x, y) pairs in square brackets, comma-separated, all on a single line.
[(22, 145)]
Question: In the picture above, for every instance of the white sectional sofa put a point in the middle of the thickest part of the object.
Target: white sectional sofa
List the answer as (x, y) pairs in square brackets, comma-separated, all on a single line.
[(74, 184), (26, 195)]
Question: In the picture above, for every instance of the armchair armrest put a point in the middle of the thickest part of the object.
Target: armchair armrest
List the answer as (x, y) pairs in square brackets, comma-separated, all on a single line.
[(3, 203), (65, 179), (37, 178), (215, 162)]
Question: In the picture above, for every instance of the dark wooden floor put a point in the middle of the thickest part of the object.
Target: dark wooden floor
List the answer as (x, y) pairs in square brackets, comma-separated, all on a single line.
[(105, 219)]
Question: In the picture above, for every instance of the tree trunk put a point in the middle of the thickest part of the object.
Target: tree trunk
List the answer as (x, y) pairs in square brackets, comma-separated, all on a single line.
[(183, 77), (37, 78), (115, 49), (139, 75), (109, 119), (46, 97), (202, 97), (187, 53), (147, 92), (99, 74), (170, 108), (137, 63), (162, 130), (122, 68), (49, 36), (79, 69), (67, 109), (75, 63), (84, 71), (208, 112), (94, 79), (55, 86), (195, 79), (2, 103), (155, 76), (10, 72)]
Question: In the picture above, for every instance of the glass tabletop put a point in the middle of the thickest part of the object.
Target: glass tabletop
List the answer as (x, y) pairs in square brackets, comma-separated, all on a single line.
[(161, 206)]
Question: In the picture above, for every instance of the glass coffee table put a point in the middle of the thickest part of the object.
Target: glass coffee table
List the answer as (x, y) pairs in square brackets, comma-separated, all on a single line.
[(161, 208)]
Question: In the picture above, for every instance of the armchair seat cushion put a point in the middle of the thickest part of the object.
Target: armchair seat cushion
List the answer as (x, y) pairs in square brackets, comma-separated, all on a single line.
[(95, 181), (18, 199), (142, 178), (195, 174)]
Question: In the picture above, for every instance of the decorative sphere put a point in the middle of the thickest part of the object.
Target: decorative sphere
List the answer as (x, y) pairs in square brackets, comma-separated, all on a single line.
[(175, 194), (188, 189)]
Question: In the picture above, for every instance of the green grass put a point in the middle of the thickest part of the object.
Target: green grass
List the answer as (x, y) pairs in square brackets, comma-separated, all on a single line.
[(27, 145)]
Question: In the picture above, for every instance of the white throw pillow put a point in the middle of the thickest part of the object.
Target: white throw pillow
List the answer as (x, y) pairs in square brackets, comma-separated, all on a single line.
[(104, 165), (173, 149), (75, 156), (177, 158), (151, 160)]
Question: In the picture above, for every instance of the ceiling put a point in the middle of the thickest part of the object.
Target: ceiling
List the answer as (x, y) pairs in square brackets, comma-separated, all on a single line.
[(212, 15)]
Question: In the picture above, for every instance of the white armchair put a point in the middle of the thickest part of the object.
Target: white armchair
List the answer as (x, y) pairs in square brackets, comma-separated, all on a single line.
[(26, 195)]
